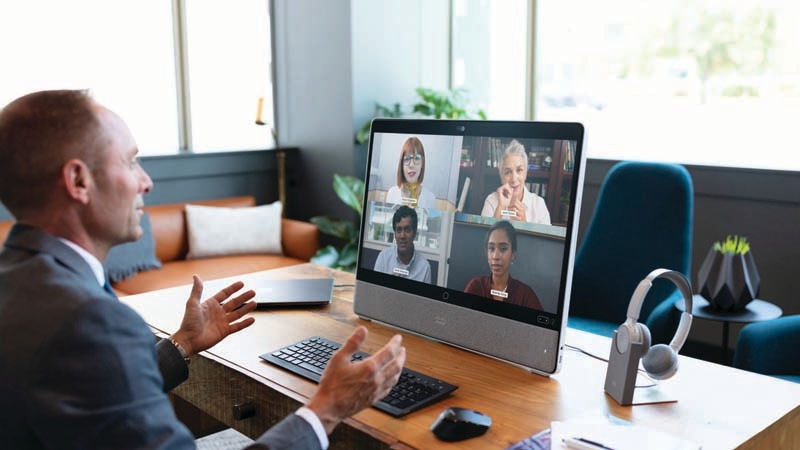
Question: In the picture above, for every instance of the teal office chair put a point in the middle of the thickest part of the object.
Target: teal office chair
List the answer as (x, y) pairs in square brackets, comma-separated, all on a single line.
[(770, 348), (642, 221)]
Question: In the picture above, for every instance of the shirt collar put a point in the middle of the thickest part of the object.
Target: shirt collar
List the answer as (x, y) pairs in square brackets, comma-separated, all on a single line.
[(410, 261), (94, 263)]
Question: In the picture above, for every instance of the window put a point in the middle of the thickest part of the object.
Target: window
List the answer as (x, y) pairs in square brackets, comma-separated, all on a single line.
[(125, 53), (708, 82), (490, 54), (229, 67)]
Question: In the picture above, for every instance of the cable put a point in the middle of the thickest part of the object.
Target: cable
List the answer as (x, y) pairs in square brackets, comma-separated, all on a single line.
[(586, 353), (643, 372), (344, 285)]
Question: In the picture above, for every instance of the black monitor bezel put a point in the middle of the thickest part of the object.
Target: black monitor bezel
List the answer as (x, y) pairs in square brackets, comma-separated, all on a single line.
[(572, 131)]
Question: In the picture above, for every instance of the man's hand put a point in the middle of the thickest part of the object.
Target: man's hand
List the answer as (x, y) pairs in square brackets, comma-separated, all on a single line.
[(348, 387), (207, 323)]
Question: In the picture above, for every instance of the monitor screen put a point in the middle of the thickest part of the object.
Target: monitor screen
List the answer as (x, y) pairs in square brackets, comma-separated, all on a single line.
[(468, 233)]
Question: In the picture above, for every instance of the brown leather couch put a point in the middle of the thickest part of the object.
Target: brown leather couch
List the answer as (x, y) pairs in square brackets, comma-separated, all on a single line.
[(300, 241)]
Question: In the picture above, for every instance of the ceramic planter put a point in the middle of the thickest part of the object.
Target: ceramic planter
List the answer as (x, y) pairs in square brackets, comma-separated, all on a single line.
[(729, 281)]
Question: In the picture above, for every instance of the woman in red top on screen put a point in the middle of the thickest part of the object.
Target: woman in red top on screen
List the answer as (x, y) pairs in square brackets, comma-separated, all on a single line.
[(410, 173), (501, 251)]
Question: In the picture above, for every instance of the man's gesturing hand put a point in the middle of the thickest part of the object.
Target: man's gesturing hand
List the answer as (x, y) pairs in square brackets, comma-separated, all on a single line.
[(348, 387), (207, 323)]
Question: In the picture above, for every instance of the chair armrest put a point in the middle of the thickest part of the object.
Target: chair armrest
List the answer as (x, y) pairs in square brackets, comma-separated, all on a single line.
[(299, 239), (771, 347)]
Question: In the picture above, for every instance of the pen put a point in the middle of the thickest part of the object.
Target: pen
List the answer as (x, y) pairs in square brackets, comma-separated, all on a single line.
[(578, 443)]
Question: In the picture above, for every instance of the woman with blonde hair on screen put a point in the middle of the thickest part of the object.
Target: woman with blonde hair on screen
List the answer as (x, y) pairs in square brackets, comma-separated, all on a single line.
[(501, 251), (410, 173), (512, 200)]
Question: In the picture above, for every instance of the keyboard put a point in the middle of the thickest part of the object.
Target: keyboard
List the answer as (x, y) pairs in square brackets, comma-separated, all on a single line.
[(309, 357)]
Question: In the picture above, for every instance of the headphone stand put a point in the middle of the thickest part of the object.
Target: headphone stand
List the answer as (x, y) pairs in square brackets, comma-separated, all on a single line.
[(621, 373)]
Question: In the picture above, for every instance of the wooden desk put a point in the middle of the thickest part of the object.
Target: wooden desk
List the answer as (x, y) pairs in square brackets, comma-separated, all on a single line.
[(718, 406)]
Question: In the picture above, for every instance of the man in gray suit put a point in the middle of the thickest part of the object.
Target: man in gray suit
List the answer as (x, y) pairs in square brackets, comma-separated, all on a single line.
[(78, 368)]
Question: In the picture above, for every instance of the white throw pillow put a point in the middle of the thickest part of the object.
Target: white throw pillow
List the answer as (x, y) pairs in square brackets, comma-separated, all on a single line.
[(219, 231)]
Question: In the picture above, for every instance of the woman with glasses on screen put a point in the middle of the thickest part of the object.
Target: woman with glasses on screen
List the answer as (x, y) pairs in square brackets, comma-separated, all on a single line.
[(512, 200), (410, 173), (501, 251)]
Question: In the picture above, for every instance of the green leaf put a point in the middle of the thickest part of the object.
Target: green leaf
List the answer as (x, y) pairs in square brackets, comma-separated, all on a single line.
[(383, 111), (362, 136), (349, 255), (450, 104), (350, 190), (425, 110), (327, 257), (335, 227), (733, 244)]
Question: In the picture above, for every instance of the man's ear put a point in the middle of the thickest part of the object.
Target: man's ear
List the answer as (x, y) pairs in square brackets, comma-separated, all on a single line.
[(77, 179)]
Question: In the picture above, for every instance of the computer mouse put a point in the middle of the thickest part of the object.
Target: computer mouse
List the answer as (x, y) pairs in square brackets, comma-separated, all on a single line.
[(457, 424)]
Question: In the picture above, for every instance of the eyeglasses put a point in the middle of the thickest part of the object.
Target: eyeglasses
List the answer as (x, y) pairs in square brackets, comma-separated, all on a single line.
[(416, 159)]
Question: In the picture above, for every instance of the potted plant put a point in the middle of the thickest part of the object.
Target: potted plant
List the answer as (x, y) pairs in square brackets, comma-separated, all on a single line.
[(351, 191), (447, 104), (728, 277)]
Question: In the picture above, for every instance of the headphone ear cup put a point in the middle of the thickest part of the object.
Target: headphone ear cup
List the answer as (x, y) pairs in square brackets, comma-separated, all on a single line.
[(622, 339), (646, 340), (661, 362)]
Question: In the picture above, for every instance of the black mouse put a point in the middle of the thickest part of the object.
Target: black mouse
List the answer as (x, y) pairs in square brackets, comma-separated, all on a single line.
[(457, 424)]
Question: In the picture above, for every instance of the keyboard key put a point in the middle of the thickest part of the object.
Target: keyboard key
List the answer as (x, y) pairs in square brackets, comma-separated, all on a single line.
[(309, 357), (312, 368)]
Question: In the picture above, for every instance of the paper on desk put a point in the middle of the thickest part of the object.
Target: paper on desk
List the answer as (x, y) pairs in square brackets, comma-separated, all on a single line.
[(617, 434)]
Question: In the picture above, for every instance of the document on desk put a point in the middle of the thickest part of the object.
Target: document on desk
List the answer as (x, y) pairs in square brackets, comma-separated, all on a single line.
[(617, 434)]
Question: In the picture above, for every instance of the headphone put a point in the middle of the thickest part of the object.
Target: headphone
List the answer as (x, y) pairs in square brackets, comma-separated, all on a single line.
[(631, 341)]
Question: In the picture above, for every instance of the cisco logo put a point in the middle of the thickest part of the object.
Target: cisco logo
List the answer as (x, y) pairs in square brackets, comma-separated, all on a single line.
[(440, 321)]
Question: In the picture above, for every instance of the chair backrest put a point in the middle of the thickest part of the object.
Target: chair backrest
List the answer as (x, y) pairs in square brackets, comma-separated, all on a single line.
[(771, 348), (642, 221)]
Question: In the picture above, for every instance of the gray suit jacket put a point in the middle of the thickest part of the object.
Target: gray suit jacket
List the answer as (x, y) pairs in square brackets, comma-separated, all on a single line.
[(79, 369)]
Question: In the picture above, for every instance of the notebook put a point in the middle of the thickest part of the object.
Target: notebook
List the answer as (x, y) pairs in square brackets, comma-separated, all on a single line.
[(616, 433), (292, 292)]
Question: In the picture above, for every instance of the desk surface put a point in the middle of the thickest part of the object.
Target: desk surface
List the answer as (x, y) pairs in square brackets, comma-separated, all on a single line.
[(718, 406)]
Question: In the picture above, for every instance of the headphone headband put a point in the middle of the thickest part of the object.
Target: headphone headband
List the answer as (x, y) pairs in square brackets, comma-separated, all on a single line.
[(677, 278)]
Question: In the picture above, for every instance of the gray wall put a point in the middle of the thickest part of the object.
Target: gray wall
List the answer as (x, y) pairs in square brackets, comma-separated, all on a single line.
[(178, 178), (313, 95), (397, 46)]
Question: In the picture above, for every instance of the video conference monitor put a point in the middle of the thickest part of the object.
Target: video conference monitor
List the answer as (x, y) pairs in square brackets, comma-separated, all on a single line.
[(468, 234)]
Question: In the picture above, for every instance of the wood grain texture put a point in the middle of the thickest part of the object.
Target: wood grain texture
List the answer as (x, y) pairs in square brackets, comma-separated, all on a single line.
[(717, 406)]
